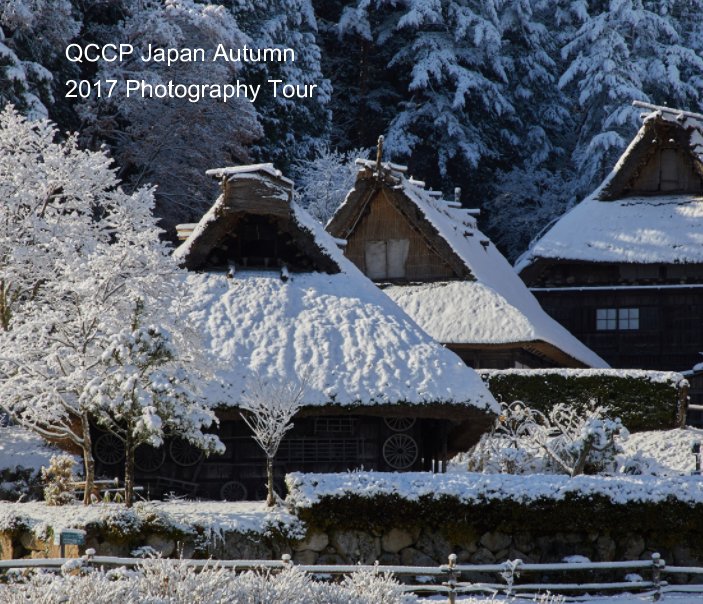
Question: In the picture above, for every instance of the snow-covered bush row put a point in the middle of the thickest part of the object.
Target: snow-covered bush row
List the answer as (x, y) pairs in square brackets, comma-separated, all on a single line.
[(179, 519), (164, 582), (643, 400), (307, 490)]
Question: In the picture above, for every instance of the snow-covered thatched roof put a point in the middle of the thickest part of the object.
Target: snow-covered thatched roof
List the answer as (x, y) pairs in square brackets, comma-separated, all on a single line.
[(486, 303), (329, 326), (622, 221)]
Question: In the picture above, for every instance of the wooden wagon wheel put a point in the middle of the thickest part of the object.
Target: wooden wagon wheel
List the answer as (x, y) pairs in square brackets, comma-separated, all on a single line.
[(109, 449), (400, 451), (183, 453), (399, 424), (148, 458), (233, 491)]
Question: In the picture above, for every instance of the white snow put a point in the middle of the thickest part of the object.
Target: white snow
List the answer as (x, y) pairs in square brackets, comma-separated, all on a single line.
[(351, 344), (633, 229), (496, 308), (20, 447), (455, 312), (248, 169), (306, 490), (660, 377), (664, 452), (338, 332)]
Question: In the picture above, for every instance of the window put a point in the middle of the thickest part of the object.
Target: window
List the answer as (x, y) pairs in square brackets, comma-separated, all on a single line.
[(606, 318), (628, 318), (617, 318), (386, 259)]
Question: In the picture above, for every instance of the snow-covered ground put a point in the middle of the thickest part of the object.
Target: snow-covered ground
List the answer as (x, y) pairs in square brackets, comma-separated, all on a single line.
[(20, 448), (666, 452), (543, 599)]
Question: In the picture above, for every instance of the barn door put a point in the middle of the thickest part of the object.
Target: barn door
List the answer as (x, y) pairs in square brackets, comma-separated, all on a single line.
[(669, 179), (376, 259), (396, 255)]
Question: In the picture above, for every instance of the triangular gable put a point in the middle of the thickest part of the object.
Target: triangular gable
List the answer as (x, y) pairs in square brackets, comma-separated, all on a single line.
[(664, 158), (485, 299), (252, 225), (394, 190)]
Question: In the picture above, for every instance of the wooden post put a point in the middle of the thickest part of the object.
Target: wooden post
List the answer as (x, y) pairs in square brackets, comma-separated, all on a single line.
[(451, 579), (657, 566), (379, 155)]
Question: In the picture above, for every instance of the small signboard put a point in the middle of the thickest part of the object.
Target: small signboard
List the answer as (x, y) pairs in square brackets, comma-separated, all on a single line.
[(69, 537)]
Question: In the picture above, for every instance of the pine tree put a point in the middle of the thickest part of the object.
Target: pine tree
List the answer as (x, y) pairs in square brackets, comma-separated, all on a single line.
[(623, 51), (293, 128)]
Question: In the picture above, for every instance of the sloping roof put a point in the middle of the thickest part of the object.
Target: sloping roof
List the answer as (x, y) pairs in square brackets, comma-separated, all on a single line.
[(491, 304), (349, 341), (615, 224)]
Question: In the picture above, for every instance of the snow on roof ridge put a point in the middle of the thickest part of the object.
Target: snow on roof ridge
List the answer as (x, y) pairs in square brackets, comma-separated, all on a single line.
[(663, 109), (386, 165), (267, 168)]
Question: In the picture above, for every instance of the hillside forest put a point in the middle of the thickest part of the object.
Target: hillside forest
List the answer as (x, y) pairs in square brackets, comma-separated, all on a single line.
[(523, 104)]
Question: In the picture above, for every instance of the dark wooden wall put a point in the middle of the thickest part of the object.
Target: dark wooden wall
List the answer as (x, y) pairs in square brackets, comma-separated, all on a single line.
[(670, 334), (501, 358), (315, 444)]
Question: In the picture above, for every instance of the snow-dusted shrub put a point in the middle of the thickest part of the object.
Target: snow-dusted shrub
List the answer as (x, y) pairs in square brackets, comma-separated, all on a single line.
[(121, 523), (159, 581), (509, 447), (370, 586), (583, 443), (524, 440), (58, 479)]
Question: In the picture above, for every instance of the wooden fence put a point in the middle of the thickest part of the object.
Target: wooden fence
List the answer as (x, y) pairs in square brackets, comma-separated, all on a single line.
[(447, 578)]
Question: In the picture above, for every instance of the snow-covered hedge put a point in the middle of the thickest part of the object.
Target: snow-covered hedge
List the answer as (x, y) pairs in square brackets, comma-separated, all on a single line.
[(644, 400), (547, 502)]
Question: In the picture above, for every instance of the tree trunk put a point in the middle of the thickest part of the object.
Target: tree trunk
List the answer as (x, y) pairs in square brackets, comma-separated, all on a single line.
[(270, 498), (129, 470), (583, 456), (88, 460)]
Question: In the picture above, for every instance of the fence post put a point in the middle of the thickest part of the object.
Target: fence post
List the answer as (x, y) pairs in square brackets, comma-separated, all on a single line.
[(287, 562), (452, 576), (88, 556), (657, 566)]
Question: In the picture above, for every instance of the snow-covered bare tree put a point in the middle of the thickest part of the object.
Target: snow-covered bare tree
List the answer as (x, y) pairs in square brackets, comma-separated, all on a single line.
[(323, 183), (77, 255), (567, 440), (144, 394), (268, 408)]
